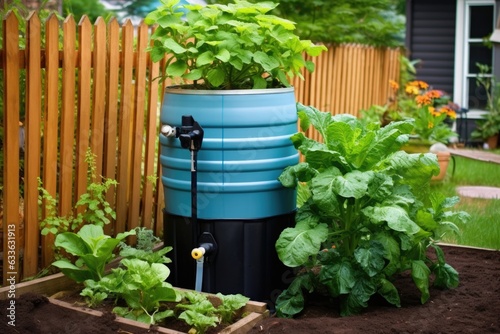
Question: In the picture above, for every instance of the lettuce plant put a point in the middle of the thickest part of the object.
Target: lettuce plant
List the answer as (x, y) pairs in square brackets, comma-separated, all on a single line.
[(93, 250), (200, 313), (142, 285), (366, 214)]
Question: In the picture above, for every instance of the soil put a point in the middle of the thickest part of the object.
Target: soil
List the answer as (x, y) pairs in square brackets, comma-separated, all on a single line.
[(472, 307)]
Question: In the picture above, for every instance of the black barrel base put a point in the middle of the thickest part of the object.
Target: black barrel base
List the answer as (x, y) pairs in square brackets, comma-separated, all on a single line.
[(246, 261)]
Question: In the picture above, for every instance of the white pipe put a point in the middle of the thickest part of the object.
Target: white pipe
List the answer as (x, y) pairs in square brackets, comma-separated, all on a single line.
[(199, 274)]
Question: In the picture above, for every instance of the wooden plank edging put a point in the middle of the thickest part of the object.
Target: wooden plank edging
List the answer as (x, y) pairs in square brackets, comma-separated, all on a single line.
[(47, 286)]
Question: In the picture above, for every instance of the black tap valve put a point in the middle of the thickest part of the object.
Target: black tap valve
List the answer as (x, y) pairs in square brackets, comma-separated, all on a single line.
[(191, 133)]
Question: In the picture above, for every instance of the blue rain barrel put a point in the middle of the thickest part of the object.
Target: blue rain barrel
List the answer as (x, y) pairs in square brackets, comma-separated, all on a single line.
[(246, 146), (240, 202)]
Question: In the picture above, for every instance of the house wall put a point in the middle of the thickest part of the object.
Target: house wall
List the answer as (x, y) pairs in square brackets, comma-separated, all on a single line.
[(430, 37)]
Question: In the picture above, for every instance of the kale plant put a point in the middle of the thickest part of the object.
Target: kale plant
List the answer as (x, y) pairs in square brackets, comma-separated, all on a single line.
[(366, 214), (144, 250)]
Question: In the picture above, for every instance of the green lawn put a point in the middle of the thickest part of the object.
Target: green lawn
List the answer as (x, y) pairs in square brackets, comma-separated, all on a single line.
[(483, 230)]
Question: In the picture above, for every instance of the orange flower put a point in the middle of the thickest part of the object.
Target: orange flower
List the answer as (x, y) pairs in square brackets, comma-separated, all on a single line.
[(434, 94), (423, 100), (449, 112), (419, 84), (394, 85), (423, 84)]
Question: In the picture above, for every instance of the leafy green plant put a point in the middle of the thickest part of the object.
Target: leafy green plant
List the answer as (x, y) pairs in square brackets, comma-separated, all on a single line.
[(369, 214), (229, 305), (201, 313), (144, 250), (233, 46), (142, 285), (93, 297), (91, 207), (93, 250), (489, 125)]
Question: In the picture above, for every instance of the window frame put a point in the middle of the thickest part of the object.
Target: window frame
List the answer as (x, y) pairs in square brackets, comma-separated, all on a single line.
[(462, 47)]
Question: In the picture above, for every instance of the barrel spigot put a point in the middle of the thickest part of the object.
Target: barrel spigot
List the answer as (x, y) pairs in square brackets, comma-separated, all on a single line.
[(206, 246), (200, 251)]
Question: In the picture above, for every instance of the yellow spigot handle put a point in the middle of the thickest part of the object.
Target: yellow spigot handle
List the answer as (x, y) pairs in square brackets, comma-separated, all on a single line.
[(197, 253)]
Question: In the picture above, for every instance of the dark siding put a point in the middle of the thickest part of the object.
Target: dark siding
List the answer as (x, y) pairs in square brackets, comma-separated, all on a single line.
[(431, 38)]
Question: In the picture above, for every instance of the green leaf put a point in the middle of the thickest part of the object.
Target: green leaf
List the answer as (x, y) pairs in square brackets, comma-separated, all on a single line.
[(340, 136), (420, 275), (395, 217), (195, 74), (296, 244), (358, 297), (216, 76), (172, 45), (291, 301), (301, 172), (177, 68), (324, 191), (380, 187), (389, 292), (72, 243), (319, 157), (339, 278), (75, 273), (370, 256), (259, 82), (446, 277), (230, 304), (205, 58), (223, 55), (353, 184), (309, 115), (392, 252), (426, 221), (269, 63), (200, 321)]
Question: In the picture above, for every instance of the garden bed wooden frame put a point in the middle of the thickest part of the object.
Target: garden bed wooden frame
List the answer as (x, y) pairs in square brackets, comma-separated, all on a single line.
[(52, 284)]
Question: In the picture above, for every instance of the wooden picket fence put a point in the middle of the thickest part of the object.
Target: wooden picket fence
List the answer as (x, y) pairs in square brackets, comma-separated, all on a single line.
[(348, 79), (94, 88)]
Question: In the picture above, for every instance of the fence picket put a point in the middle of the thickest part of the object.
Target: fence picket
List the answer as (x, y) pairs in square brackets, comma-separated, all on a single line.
[(50, 123), (137, 134), (11, 221), (84, 105), (33, 117), (151, 135), (111, 112), (98, 94), (123, 173), (67, 116)]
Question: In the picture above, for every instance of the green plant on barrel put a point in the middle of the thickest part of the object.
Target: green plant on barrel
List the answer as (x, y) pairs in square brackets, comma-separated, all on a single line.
[(366, 214), (234, 46)]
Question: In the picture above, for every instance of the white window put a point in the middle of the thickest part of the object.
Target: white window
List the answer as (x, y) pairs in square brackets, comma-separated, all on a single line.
[(475, 22)]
